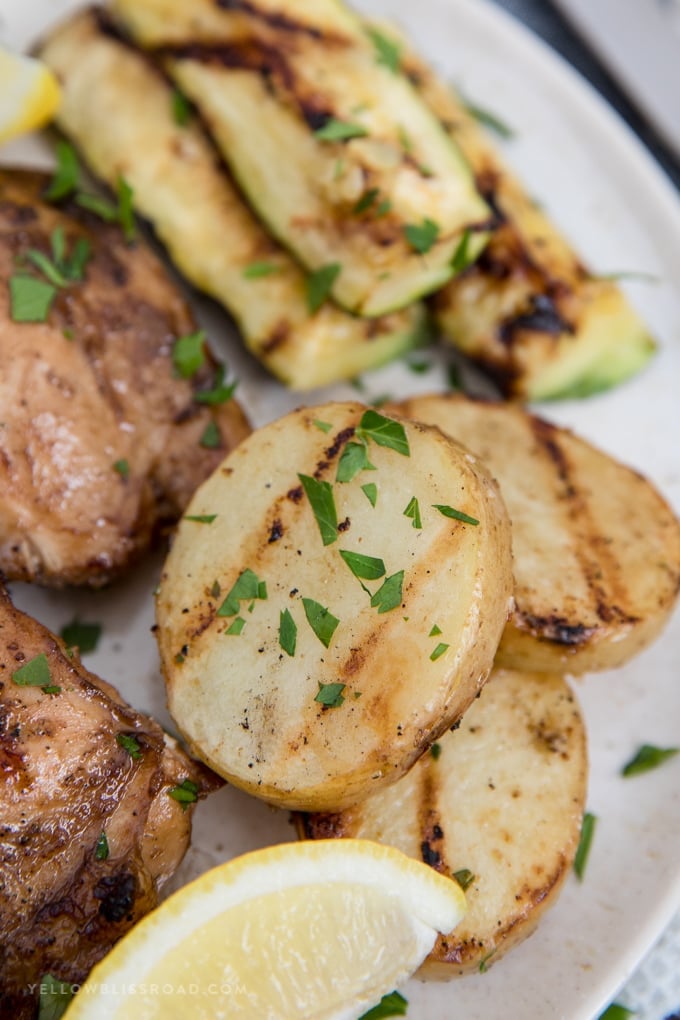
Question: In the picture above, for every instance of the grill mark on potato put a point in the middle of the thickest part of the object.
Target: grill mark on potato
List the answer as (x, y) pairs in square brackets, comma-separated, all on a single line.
[(432, 841), (601, 571)]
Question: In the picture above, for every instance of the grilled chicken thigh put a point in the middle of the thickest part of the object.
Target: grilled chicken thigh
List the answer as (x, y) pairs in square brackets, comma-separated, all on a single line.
[(101, 440), (90, 827)]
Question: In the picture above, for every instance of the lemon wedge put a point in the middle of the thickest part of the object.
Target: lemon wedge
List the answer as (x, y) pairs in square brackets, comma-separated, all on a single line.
[(29, 94), (299, 931)]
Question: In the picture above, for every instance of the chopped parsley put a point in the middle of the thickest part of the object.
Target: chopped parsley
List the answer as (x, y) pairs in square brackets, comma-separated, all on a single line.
[(587, 832), (101, 851), (453, 376), (383, 431), (323, 426), (126, 213), (30, 299), (201, 518), (370, 491), (484, 962), (423, 236), (648, 757), (616, 1012), (247, 587), (354, 459), (188, 354), (439, 651), (322, 501), (34, 673), (435, 630), (418, 366), (185, 793), (236, 626), (287, 632), (488, 119), (456, 515), (65, 179), (80, 635), (219, 393), (464, 878), (413, 511), (335, 130), (55, 996), (129, 744), (256, 270), (181, 108), (321, 620), (392, 1004), (366, 201), (389, 594), (122, 468), (460, 259), (384, 207), (368, 568), (330, 695), (435, 751), (120, 212), (211, 438), (387, 52), (50, 271), (320, 283)]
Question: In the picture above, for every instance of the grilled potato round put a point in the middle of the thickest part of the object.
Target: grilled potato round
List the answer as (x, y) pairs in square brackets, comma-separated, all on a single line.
[(317, 634), (596, 548), (499, 802)]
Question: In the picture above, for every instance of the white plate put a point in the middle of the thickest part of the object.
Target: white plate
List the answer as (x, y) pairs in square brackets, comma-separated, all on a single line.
[(640, 44), (599, 184)]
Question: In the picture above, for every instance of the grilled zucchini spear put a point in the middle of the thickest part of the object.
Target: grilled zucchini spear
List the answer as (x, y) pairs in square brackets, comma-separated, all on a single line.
[(332, 145), (118, 109), (528, 311)]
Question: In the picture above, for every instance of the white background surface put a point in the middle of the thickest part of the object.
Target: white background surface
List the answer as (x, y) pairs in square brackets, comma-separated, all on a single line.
[(590, 174)]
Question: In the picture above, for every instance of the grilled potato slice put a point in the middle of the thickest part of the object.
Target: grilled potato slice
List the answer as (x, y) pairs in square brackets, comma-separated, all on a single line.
[(528, 311), (118, 109), (596, 547), (499, 801), (338, 154), (310, 674)]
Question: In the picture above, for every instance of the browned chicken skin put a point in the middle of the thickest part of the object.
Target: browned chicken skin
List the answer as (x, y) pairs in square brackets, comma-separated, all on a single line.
[(64, 780), (92, 387)]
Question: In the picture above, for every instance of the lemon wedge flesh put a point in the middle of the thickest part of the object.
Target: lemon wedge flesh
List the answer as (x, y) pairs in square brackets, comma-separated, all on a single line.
[(29, 94), (299, 931)]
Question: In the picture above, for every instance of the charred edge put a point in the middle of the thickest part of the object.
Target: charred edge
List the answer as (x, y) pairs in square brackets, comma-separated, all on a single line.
[(542, 316), (275, 20), (332, 451), (275, 532), (558, 629), (322, 826), (342, 438), (117, 895), (277, 338)]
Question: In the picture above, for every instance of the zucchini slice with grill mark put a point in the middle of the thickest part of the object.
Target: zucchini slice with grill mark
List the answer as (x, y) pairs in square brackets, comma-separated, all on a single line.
[(117, 108), (338, 154), (527, 311)]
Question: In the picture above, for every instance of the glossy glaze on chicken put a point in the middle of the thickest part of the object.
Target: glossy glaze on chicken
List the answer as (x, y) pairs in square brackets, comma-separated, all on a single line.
[(101, 440), (89, 830)]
